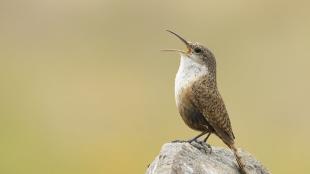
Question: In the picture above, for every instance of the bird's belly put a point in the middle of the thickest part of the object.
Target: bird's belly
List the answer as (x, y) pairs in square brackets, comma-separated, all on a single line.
[(189, 72), (189, 113)]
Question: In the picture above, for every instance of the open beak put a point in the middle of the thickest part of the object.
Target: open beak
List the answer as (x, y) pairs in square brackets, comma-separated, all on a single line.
[(183, 40)]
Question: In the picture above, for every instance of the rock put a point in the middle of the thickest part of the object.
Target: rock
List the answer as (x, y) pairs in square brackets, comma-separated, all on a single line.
[(198, 158)]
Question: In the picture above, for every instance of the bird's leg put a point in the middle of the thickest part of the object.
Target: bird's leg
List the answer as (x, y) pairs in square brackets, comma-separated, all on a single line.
[(200, 145), (200, 135), (205, 140), (191, 140)]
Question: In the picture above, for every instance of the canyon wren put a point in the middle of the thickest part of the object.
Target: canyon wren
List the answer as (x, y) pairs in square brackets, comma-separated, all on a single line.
[(197, 97)]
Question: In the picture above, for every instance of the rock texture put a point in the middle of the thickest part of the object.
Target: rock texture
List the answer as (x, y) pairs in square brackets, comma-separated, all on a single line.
[(198, 158)]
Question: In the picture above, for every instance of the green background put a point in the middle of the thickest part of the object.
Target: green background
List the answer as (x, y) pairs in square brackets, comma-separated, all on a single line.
[(85, 89)]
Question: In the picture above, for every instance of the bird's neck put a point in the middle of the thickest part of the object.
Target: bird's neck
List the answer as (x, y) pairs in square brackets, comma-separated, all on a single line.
[(191, 71)]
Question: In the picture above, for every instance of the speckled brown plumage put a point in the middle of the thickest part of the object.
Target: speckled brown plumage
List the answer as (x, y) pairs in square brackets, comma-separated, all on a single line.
[(210, 103), (198, 99)]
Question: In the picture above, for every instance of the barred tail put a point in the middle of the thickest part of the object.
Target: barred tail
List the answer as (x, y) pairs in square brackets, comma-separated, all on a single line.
[(238, 159)]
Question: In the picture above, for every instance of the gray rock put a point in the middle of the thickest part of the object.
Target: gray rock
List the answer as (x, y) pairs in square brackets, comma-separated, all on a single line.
[(198, 158)]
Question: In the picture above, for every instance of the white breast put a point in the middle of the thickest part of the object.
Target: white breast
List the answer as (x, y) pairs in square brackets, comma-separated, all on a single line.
[(188, 72)]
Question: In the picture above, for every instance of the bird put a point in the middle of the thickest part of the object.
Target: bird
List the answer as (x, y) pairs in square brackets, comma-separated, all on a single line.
[(197, 97)]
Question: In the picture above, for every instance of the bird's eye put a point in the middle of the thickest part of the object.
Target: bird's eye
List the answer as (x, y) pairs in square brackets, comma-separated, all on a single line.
[(197, 50)]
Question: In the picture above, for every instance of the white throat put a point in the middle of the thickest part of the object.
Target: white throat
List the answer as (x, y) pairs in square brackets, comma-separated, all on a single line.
[(189, 71)]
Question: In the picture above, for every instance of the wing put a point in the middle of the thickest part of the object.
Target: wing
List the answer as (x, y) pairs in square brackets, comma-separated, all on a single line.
[(214, 110)]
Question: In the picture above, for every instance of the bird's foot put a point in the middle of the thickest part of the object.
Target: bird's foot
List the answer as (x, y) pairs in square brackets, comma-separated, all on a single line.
[(202, 146), (187, 141), (209, 146), (179, 141)]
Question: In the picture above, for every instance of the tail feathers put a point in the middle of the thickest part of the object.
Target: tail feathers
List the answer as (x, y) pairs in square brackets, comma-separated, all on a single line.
[(238, 159)]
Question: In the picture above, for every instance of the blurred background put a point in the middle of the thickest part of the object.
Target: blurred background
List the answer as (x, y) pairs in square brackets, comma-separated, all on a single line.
[(85, 89)]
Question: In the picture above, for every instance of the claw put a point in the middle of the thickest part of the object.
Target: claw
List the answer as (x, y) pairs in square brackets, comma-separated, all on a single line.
[(209, 146), (200, 145), (179, 141)]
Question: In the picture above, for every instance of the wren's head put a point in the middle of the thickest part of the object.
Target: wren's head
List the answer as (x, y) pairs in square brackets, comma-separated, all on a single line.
[(195, 51)]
